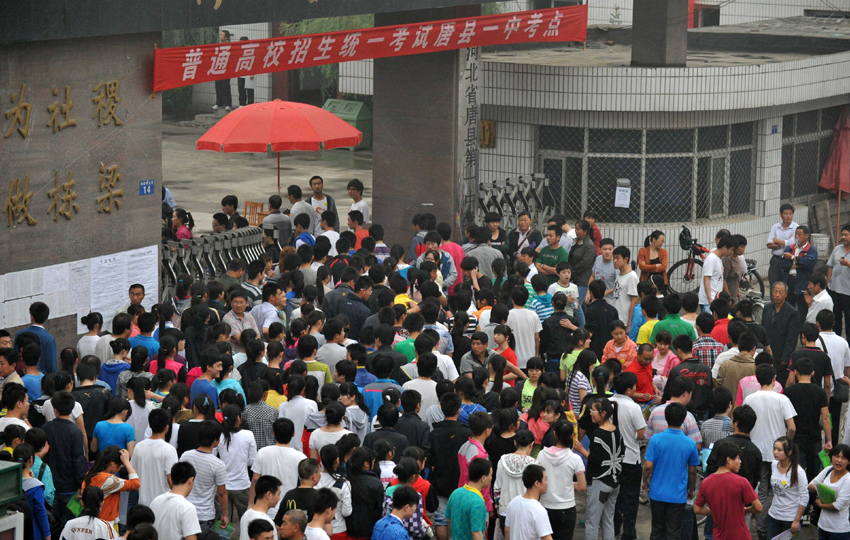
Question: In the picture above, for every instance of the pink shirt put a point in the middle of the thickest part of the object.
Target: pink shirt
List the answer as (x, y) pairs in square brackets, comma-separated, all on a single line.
[(663, 365), (183, 233), (457, 254), (749, 385)]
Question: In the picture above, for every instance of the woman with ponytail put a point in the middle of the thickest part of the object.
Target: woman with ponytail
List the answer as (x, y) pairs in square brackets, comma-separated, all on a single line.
[(219, 332), (224, 382), (600, 377), (33, 490), (137, 392), (578, 383), (88, 343), (356, 410), (115, 430), (367, 494), (332, 431), (187, 438), (470, 398), (104, 475), (333, 478), (181, 300), (562, 465), (253, 367), (112, 369), (166, 358), (164, 314), (195, 329), (138, 359), (578, 341), (790, 489), (505, 342), (89, 526), (407, 472), (237, 449)]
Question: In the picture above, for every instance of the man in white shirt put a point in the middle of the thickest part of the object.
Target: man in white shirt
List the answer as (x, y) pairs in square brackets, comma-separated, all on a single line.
[(625, 295), (153, 458), (266, 498), (210, 476), (271, 310), (632, 426), (838, 276), (176, 518), (297, 408), (775, 415), (426, 365), (293, 193), (526, 327), (333, 351), (321, 203), (327, 225), (280, 461), (17, 404), (839, 356), (779, 236), (712, 270), (355, 191), (818, 297), (527, 519)]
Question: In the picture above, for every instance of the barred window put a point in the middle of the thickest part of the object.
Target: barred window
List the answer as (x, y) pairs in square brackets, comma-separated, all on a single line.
[(806, 141), (675, 175)]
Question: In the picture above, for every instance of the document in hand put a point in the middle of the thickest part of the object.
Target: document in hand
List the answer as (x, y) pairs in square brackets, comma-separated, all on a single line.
[(826, 494), (787, 535)]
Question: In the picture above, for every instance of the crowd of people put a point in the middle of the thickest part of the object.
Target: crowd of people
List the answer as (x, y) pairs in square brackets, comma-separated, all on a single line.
[(342, 388)]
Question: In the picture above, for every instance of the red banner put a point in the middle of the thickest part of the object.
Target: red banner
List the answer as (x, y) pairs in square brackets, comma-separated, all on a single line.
[(183, 66)]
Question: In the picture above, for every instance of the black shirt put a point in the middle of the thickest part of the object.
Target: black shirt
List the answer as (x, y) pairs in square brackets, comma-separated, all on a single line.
[(187, 437), (300, 498), (750, 458), (497, 446), (759, 332), (700, 374), (606, 454), (94, 400), (599, 316), (823, 365), (446, 439), (554, 337), (399, 441), (807, 399)]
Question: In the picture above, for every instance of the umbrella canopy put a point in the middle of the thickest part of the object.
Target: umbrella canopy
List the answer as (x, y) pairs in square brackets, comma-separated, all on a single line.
[(283, 125), (836, 172)]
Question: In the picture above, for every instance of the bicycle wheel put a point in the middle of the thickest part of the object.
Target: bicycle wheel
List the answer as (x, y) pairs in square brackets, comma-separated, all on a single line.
[(752, 282), (680, 282)]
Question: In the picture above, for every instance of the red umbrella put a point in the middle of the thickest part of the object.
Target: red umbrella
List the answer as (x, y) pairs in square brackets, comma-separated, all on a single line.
[(283, 125), (836, 172)]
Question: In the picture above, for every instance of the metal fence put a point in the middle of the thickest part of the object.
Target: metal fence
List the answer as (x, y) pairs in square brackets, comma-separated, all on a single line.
[(206, 257), (511, 196), (673, 175), (806, 142)]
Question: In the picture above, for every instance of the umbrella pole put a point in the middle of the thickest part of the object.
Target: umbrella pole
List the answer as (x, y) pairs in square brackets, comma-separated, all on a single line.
[(838, 218), (278, 175)]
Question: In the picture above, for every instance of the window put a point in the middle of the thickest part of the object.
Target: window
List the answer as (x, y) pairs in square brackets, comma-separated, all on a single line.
[(806, 143), (675, 175)]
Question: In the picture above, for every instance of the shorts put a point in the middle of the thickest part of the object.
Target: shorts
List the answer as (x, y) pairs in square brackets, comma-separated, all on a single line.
[(440, 514)]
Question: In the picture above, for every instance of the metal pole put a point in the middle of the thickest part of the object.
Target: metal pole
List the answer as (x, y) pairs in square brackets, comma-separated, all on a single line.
[(278, 173)]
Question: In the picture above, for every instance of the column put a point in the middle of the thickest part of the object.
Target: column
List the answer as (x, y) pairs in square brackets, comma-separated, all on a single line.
[(768, 166)]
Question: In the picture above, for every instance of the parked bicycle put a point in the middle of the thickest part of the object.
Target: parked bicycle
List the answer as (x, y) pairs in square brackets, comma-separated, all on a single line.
[(686, 275)]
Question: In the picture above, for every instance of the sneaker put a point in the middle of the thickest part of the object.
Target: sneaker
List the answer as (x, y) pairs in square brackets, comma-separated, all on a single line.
[(227, 108), (215, 107)]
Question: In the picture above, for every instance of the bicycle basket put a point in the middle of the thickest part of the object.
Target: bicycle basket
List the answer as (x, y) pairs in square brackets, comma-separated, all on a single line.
[(686, 242)]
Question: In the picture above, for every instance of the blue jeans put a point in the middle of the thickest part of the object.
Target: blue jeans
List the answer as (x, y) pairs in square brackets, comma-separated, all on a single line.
[(582, 292), (775, 526), (823, 535)]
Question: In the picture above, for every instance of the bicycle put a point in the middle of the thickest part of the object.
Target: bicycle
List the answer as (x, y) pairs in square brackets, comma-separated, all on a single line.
[(686, 275)]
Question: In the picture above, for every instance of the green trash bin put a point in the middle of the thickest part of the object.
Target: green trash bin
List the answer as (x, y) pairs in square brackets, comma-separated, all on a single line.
[(355, 113)]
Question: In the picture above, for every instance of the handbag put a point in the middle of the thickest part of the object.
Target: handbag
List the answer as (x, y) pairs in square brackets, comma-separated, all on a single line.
[(841, 393)]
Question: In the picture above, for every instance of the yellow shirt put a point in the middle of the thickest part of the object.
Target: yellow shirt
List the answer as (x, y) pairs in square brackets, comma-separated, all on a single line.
[(275, 399), (404, 299), (645, 331)]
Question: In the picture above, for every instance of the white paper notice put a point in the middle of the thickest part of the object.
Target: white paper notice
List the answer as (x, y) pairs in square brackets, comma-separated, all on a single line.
[(623, 197), (108, 285), (143, 267), (58, 302), (56, 278), (18, 312), (79, 293), (23, 284)]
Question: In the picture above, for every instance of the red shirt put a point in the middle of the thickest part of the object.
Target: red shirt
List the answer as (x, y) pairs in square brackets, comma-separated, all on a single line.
[(457, 254), (720, 331), (727, 494), (597, 238), (361, 234), (644, 376), (510, 356)]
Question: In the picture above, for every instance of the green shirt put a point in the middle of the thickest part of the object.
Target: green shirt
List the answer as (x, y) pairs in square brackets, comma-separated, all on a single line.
[(551, 257), (467, 512), (527, 394), (229, 281), (674, 324), (406, 348)]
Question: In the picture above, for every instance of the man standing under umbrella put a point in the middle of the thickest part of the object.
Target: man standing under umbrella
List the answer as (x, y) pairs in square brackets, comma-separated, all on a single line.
[(321, 202), (222, 87)]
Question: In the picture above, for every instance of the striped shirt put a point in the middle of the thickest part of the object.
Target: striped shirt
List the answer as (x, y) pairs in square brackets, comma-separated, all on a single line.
[(657, 424), (542, 304), (577, 381), (210, 472), (715, 429)]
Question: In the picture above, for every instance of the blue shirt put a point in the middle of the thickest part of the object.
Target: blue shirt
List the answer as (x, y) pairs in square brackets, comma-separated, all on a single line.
[(47, 345), (468, 513), (148, 342), (542, 304), (389, 527), (203, 386), (671, 453), (466, 410), (446, 344), (113, 434), (363, 378), (638, 320), (33, 384)]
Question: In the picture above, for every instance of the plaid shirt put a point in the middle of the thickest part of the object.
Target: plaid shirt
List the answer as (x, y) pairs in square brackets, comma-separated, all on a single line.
[(706, 349), (259, 418)]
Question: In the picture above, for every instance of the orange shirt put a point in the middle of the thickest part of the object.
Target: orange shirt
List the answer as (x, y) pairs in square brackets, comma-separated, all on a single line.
[(112, 486), (361, 234), (626, 355)]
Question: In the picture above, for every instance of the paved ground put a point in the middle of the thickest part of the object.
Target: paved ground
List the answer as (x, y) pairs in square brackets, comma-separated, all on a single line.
[(198, 180)]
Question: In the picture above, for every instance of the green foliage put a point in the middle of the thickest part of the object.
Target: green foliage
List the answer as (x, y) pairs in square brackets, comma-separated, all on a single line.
[(329, 72), (176, 102)]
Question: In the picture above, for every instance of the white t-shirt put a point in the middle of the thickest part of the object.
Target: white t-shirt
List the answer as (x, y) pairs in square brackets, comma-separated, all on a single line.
[(525, 324), (319, 439), (175, 430), (426, 388), (772, 410), (176, 517), (238, 457), (713, 268), (838, 351), (9, 421), (297, 409), (87, 345), (624, 289), (76, 413), (315, 533), (561, 465), (139, 419), (333, 236), (318, 207), (834, 521), (605, 271), (446, 366), (153, 459), (362, 207), (250, 516), (630, 420), (210, 472), (787, 498), (86, 528), (282, 463), (527, 519), (343, 507)]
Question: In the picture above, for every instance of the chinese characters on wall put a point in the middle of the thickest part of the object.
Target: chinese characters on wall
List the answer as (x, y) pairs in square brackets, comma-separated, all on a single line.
[(61, 201)]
